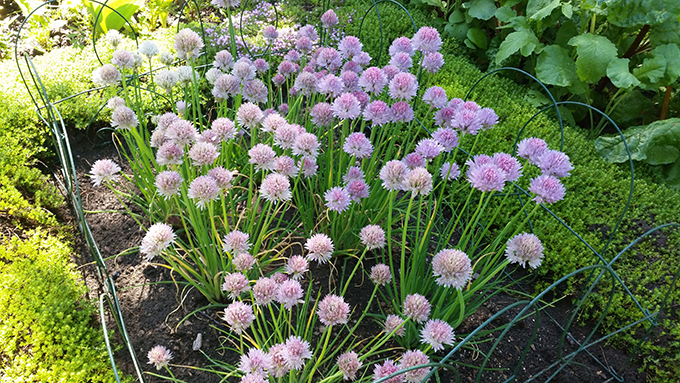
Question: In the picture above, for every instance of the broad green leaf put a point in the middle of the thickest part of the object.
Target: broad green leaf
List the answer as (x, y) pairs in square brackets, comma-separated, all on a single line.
[(482, 9), (109, 19), (526, 41), (620, 75), (458, 31), (505, 14), (555, 67), (594, 54), (567, 10), (666, 33), (436, 3), (540, 9), (657, 143), (456, 17), (630, 108), (478, 37), (565, 33), (671, 174), (536, 98), (636, 13), (653, 69), (671, 53)]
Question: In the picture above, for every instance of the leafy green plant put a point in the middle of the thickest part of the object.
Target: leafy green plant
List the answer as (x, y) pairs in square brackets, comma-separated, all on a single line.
[(107, 18)]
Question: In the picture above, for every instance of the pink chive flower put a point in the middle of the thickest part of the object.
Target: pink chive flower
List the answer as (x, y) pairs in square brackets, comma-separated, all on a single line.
[(350, 80), (466, 121), (124, 59), (401, 44), (373, 80), (394, 323), (235, 284), (392, 175), (333, 310), (286, 166), (330, 85), (276, 187), (349, 47), (378, 113), (402, 112), (432, 62), (444, 117), (354, 173), (295, 353), (426, 40), (159, 356), (418, 181), (279, 277), (286, 68), (261, 65), (293, 56), (320, 248), (337, 199), (225, 86), (386, 369), (554, 163), (124, 118), (202, 153), (270, 34), (486, 177), (357, 190), (243, 262), (204, 189), (188, 44), (157, 239), (166, 119), (446, 137), (380, 274), (437, 333), (279, 366), (182, 132), (531, 148), (169, 154), (158, 138), (429, 148), (403, 86), (435, 97), (328, 58), (351, 66), (548, 189), (308, 31), (307, 84), (236, 242), (209, 137), (487, 118), (239, 316), (255, 91), (106, 75), (253, 378), (509, 164), (224, 128), (104, 171), (362, 97), (255, 362), (297, 266), (390, 71), (349, 364), (346, 107), (289, 293), (273, 122), (306, 145), (449, 171), (285, 136), (402, 61), (168, 183), (414, 160), (307, 166), (411, 359), (453, 267), (249, 115), (283, 108), (373, 237), (265, 291), (304, 44), (322, 114), (223, 60), (262, 156), (416, 307), (244, 71), (525, 249), (358, 145), (362, 59)]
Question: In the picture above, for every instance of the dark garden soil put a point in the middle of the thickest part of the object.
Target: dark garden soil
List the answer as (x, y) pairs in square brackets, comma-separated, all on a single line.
[(153, 306)]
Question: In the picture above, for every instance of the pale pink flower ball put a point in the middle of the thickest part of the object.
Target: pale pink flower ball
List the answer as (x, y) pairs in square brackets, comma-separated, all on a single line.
[(453, 267), (286, 166), (124, 59), (418, 181), (349, 364), (330, 85), (487, 118), (243, 262), (244, 70), (255, 91), (393, 323), (168, 183), (297, 266), (358, 145), (333, 310), (402, 61), (295, 353), (392, 175), (293, 56), (416, 307), (124, 118), (273, 122), (169, 154), (548, 189), (203, 153), (322, 114), (224, 128), (320, 247), (106, 75), (401, 111), (236, 242), (390, 71), (346, 107), (276, 187), (373, 237), (253, 378), (525, 249), (436, 97), (182, 132), (166, 119), (225, 85), (235, 284), (104, 171), (373, 80), (432, 62), (427, 40), (403, 86), (329, 19), (509, 164), (449, 171), (306, 145), (401, 44), (256, 362), (159, 356), (270, 34), (444, 117), (307, 84), (531, 148), (286, 68), (337, 199), (414, 160), (204, 189), (353, 173), (222, 176), (437, 333), (378, 113), (239, 316), (486, 177), (261, 65), (115, 102), (386, 369), (357, 190), (414, 358), (307, 166), (188, 44), (289, 293), (249, 115), (554, 163), (262, 156), (351, 80), (429, 148), (380, 274), (362, 59), (209, 137), (279, 366), (223, 60), (157, 238), (264, 291)]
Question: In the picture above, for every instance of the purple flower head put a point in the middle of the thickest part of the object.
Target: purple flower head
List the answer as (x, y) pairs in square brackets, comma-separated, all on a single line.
[(182, 132), (531, 148), (349, 364), (373, 237), (239, 316), (437, 333), (403, 86), (158, 138), (329, 59), (471, 106), (394, 323), (236, 242), (279, 368), (485, 177), (159, 356), (436, 97), (209, 137), (416, 307), (509, 164), (331, 85), (402, 112), (446, 137), (357, 190), (346, 107), (276, 187), (401, 44), (444, 117), (264, 291), (168, 183), (223, 60), (296, 351), (487, 118), (320, 248), (249, 115), (386, 369), (414, 160), (243, 262), (262, 156), (429, 148), (104, 171), (333, 310), (329, 19), (554, 163), (124, 118), (204, 189), (427, 40), (285, 136), (525, 249), (255, 362), (203, 153), (432, 62), (297, 266), (224, 128), (354, 173), (350, 80), (306, 145), (244, 71), (124, 59), (362, 59), (166, 119), (261, 65), (358, 145), (157, 239), (322, 114), (304, 44), (225, 86), (402, 61), (548, 189), (289, 293), (188, 44), (283, 108), (270, 34), (307, 166), (286, 166), (466, 121), (412, 359), (286, 68), (455, 103), (453, 267), (106, 75), (418, 181), (235, 284), (392, 175), (307, 84), (169, 154), (362, 97), (337, 199), (373, 80), (449, 171), (293, 56), (352, 66), (378, 113), (390, 71), (273, 122), (349, 47), (380, 273), (308, 31)]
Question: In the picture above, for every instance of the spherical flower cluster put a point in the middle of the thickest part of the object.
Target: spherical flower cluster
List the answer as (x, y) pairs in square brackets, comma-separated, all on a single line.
[(104, 171), (168, 183), (262, 156), (243, 262), (403, 86), (255, 91), (453, 267), (222, 176), (401, 111), (239, 316), (386, 369), (432, 62), (223, 60), (322, 114), (264, 291), (286, 68), (106, 75), (485, 176), (270, 34), (333, 310), (392, 175), (276, 187), (124, 59), (255, 362), (346, 107), (373, 80), (289, 293), (307, 84), (358, 145), (330, 85), (418, 181), (509, 164), (148, 49), (279, 365), (353, 173), (436, 97), (203, 153), (182, 132), (437, 333), (548, 189), (416, 307), (224, 128), (204, 189), (166, 79), (401, 44), (114, 38), (393, 323), (449, 171), (380, 274), (531, 148), (124, 118), (157, 238), (225, 86), (427, 40), (249, 115), (226, 3), (414, 160), (337, 199), (351, 80), (378, 113), (411, 359), (306, 145), (554, 163), (286, 166), (349, 364), (320, 248), (159, 356), (169, 154), (357, 190), (329, 19), (402, 61), (373, 237), (429, 148), (525, 249), (297, 266), (308, 166), (188, 44), (166, 58), (236, 242), (296, 351), (235, 284), (349, 47)]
